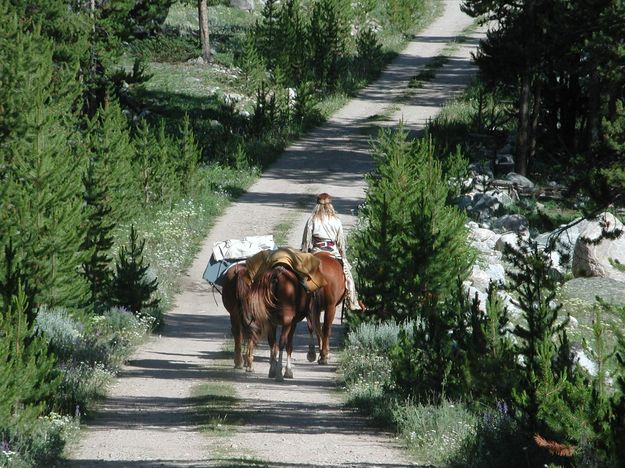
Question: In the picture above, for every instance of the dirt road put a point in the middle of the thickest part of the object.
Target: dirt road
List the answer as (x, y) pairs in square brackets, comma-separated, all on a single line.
[(151, 419)]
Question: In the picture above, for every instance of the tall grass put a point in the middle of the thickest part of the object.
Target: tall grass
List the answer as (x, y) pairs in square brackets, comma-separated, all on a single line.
[(432, 433)]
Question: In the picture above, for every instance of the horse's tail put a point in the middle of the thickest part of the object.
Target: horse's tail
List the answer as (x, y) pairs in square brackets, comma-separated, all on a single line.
[(260, 299)]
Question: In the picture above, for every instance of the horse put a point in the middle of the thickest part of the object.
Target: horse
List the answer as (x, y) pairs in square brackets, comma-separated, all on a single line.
[(277, 297), (325, 299), (236, 287)]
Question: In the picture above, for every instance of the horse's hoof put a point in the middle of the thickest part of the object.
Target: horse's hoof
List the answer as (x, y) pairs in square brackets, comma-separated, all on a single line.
[(272, 373), (311, 356), (323, 361), (279, 378), (249, 370), (288, 373)]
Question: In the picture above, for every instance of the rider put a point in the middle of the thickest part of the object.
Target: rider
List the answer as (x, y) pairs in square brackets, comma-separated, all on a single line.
[(324, 232)]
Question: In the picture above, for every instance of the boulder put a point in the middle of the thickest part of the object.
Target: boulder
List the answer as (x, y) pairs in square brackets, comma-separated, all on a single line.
[(590, 259), (504, 164), (520, 180), (481, 277), (464, 201), (564, 240), (511, 222), (511, 239), (482, 296), (484, 236)]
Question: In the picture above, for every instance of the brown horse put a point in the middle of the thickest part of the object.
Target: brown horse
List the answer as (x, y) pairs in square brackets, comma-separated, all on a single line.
[(236, 286), (276, 298), (325, 299)]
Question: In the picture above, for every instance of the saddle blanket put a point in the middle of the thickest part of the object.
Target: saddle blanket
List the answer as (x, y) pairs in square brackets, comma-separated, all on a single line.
[(305, 265), (242, 248)]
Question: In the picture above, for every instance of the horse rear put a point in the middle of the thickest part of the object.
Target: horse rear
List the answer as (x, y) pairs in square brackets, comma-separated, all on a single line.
[(234, 292), (277, 298)]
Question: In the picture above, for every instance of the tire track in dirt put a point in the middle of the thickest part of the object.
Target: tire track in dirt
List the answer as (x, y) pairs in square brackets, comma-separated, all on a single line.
[(151, 419)]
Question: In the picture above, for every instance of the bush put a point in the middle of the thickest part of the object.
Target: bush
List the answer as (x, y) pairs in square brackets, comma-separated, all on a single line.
[(434, 432)]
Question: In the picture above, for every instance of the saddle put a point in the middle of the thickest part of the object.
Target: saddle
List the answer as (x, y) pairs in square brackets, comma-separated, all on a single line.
[(304, 265)]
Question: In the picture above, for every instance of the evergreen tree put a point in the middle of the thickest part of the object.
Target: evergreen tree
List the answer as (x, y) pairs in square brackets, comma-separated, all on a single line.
[(98, 237), (265, 33), (145, 149), (252, 65), (41, 200), (15, 280), (111, 153), (28, 378), (290, 32), (411, 237), (327, 35), (189, 159), (131, 287)]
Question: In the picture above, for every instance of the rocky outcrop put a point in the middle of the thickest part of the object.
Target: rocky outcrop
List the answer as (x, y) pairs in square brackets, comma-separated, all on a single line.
[(592, 255)]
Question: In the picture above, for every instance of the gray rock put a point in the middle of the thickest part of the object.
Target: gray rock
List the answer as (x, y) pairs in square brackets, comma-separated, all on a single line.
[(511, 239), (594, 260), (587, 289), (504, 164), (484, 236), (481, 277), (511, 222), (502, 197), (584, 361), (482, 167), (519, 180), (464, 201), (482, 296)]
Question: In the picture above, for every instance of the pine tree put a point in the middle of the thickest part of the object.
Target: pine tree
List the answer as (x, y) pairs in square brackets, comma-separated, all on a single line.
[(189, 159), (291, 34), (252, 65), (111, 152), (145, 147), (265, 33), (28, 378), (15, 280), (41, 200), (327, 35), (411, 237), (131, 287), (98, 237)]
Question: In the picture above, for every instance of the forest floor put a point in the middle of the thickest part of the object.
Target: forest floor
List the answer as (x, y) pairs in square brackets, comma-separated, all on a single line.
[(178, 401)]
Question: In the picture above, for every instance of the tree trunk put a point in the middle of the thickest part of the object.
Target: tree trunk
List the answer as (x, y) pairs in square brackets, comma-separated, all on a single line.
[(523, 127), (594, 110), (535, 118), (202, 8)]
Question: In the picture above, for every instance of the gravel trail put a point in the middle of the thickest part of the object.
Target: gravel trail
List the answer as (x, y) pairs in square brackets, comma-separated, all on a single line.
[(151, 419)]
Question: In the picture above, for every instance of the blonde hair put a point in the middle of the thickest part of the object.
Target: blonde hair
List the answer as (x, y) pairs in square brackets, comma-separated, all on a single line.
[(323, 210)]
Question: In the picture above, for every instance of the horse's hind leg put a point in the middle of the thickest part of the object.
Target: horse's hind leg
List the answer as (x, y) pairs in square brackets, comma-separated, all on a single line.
[(312, 353), (324, 352), (237, 334), (288, 371), (273, 351), (249, 355)]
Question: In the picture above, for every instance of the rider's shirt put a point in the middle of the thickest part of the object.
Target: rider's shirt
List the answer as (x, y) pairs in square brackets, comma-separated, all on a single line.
[(324, 234)]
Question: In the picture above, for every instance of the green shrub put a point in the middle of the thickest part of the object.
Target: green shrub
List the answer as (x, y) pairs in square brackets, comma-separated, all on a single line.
[(434, 432)]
